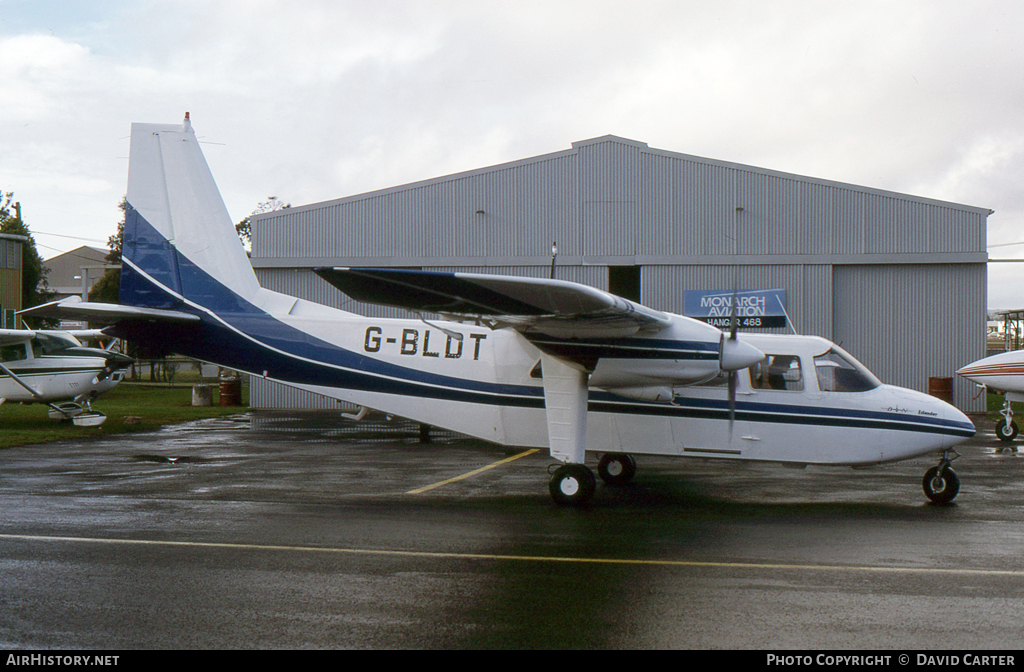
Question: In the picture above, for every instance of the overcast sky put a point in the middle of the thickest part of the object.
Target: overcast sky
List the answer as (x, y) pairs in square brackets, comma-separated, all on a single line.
[(314, 100)]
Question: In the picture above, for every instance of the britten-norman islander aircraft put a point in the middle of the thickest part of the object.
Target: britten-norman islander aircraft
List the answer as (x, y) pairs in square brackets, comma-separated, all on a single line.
[(53, 368), (1000, 373), (518, 361)]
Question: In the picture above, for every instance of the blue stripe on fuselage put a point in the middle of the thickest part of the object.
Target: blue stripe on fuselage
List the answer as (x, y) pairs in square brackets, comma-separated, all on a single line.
[(699, 407), (289, 354)]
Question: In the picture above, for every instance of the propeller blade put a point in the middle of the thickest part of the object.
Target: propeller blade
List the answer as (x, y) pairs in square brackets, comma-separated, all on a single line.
[(733, 320), (732, 401)]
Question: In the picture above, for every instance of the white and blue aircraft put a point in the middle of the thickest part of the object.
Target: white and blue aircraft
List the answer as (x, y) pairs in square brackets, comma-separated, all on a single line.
[(518, 361), (54, 368)]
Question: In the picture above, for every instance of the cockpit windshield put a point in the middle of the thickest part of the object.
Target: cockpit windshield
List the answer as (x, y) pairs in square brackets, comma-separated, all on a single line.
[(52, 344), (838, 371)]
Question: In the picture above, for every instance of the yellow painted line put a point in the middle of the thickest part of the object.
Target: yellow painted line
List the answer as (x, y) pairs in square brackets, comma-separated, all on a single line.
[(963, 571), (472, 473)]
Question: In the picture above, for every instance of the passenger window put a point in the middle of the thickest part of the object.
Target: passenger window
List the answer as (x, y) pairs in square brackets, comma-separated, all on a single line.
[(777, 372), (836, 373), (12, 353)]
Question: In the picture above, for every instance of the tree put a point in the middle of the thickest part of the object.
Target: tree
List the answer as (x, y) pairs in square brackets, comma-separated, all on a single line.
[(108, 288), (244, 227), (34, 289)]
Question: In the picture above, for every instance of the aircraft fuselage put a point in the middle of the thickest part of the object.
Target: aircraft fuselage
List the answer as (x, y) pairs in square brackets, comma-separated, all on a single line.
[(487, 384)]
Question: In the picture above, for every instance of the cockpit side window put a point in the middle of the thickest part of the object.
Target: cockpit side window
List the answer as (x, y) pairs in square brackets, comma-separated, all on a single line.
[(777, 372), (13, 353), (837, 373)]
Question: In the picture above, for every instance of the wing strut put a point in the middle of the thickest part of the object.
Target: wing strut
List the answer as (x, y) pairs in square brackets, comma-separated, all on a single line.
[(16, 378), (565, 396)]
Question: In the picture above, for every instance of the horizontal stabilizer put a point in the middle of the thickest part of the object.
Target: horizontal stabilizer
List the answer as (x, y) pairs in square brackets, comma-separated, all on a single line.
[(550, 306), (73, 308)]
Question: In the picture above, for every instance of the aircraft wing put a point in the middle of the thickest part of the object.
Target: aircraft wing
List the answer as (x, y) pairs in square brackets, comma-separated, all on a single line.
[(553, 307), (14, 336), (73, 308)]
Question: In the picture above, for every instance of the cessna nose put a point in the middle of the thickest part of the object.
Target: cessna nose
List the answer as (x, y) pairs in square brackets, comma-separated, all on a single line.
[(738, 355)]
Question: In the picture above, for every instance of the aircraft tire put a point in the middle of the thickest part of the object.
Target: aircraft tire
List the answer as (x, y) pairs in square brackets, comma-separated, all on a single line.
[(1005, 433), (941, 488), (572, 485), (616, 468)]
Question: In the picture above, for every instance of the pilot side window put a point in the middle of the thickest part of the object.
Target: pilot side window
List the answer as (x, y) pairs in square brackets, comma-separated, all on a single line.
[(777, 372), (12, 353), (839, 374)]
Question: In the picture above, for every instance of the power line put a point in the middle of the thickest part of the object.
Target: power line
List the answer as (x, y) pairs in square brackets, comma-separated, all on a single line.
[(61, 235)]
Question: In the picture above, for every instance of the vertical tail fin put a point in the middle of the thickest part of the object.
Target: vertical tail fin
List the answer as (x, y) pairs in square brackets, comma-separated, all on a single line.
[(179, 241)]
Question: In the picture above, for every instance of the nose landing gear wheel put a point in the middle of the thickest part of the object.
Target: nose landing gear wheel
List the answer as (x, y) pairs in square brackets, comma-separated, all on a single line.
[(616, 468), (941, 484), (1006, 432), (572, 485)]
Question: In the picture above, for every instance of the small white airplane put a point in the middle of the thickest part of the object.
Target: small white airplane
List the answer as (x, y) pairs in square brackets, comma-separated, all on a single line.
[(54, 368), (518, 361), (1000, 373)]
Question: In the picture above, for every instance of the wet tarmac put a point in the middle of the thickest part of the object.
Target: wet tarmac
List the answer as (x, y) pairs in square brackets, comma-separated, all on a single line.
[(309, 531)]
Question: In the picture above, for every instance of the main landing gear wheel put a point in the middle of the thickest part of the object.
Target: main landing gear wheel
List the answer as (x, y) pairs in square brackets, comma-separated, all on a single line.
[(1006, 432), (941, 484), (616, 468), (572, 485)]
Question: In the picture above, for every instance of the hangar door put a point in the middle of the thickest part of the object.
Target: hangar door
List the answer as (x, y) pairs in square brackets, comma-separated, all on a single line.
[(910, 322)]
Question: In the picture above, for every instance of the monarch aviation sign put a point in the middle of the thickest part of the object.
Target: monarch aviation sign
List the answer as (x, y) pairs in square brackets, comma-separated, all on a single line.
[(755, 308)]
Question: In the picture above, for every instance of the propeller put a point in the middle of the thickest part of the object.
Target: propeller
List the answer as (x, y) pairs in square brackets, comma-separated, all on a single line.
[(103, 375), (113, 362), (733, 326), (734, 355)]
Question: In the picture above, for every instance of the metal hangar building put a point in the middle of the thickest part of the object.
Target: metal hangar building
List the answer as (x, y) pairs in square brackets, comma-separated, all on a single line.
[(897, 280)]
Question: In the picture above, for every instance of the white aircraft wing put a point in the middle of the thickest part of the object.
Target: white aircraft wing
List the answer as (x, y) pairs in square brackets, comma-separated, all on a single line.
[(73, 308), (14, 336), (537, 305)]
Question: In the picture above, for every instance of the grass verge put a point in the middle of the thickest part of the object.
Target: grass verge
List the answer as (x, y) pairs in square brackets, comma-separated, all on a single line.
[(153, 405), (995, 404)]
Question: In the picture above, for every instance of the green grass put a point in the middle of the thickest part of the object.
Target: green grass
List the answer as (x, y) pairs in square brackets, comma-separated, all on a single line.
[(155, 405), (995, 404)]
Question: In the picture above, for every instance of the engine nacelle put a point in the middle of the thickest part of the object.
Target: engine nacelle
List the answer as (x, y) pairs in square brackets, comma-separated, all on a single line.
[(653, 393), (612, 374)]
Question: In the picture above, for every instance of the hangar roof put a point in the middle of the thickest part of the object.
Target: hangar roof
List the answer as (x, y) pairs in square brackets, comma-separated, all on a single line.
[(642, 146)]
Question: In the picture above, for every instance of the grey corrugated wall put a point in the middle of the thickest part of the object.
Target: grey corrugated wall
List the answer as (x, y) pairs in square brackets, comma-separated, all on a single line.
[(909, 323)]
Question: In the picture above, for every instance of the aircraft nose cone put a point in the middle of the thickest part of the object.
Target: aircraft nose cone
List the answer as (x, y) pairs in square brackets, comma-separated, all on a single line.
[(960, 419), (738, 355)]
